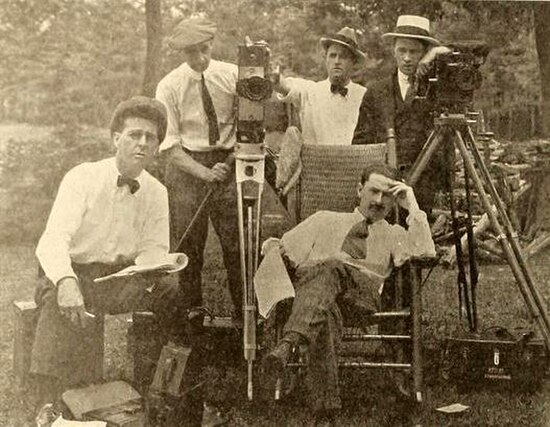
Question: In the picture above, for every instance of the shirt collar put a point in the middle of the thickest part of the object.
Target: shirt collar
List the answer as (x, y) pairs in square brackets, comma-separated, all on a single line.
[(328, 83), (114, 172), (403, 78), (358, 216), (192, 73)]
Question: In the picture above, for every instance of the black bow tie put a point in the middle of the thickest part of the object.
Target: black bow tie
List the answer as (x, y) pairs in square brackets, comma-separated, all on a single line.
[(132, 184), (342, 90)]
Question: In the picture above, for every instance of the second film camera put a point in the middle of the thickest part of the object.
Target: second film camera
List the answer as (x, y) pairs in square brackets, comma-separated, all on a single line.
[(454, 77)]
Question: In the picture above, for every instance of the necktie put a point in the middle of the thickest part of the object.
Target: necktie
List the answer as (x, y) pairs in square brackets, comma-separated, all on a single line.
[(409, 95), (213, 131), (132, 184), (339, 89), (355, 243)]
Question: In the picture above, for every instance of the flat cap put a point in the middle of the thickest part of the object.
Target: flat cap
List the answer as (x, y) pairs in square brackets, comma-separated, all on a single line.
[(192, 31), (142, 107)]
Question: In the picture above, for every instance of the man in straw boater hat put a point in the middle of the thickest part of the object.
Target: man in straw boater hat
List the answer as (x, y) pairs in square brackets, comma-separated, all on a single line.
[(328, 109), (200, 97), (388, 103)]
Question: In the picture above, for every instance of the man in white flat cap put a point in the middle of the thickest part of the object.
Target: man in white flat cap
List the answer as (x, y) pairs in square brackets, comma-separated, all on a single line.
[(388, 102), (200, 97), (328, 109)]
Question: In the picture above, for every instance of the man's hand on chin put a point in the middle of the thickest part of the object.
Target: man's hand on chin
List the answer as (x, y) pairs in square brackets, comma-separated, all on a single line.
[(71, 302)]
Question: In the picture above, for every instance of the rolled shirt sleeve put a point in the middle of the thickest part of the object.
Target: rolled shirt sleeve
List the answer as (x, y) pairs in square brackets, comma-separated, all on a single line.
[(64, 220), (173, 135), (416, 241)]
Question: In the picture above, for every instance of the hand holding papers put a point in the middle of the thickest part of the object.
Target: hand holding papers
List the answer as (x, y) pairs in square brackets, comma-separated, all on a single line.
[(172, 264)]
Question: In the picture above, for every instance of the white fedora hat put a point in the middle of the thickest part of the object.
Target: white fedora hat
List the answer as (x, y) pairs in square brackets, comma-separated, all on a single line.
[(412, 27)]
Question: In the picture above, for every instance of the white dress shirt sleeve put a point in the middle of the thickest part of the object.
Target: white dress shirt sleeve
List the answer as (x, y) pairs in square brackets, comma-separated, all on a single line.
[(414, 242), (298, 92), (154, 240), (167, 96), (298, 243), (65, 218)]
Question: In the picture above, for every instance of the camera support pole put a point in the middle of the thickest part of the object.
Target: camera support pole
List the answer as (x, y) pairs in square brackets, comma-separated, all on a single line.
[(249, 171), (455, 130)]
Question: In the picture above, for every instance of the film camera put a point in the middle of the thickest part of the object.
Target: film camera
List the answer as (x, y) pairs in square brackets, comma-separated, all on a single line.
[(454, 77), (253, 87)]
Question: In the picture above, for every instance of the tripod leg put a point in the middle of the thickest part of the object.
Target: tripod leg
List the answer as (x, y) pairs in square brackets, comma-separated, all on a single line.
[(428, 150), (508, 228), (526, 290)]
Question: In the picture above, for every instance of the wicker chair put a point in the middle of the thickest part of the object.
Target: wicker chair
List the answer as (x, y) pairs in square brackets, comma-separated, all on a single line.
[(328, 182)]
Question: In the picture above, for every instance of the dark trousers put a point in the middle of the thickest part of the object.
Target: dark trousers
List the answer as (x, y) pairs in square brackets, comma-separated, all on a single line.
[(328, 295), (70, 353), (185, 195)]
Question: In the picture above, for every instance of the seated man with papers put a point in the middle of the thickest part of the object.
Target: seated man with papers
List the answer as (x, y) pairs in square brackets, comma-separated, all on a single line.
[(338, 263), (107, 216)]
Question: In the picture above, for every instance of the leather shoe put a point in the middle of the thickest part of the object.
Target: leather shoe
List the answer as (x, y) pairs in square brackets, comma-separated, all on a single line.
[(276, 361)]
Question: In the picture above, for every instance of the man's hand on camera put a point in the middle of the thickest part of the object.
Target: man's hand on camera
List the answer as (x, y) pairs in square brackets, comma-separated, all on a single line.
[(71, 302), (426, 62), (404, 195)]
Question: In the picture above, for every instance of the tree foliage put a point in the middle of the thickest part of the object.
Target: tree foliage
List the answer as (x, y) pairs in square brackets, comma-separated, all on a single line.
[(73, 60)]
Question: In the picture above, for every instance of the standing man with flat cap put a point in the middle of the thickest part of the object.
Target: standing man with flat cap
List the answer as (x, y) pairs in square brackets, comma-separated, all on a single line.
[(328, 109), (388, 103), (107, 215), (200, 97)]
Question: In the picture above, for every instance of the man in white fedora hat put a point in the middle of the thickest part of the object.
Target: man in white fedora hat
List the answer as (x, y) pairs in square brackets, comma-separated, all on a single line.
[(388, 102), (328, 109)]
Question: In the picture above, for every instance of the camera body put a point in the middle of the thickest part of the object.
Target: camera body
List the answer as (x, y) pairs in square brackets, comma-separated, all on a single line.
[(454, 77), (253, 88)]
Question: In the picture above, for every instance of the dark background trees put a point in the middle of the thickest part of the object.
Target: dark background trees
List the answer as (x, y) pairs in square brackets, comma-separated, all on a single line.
[(72, 60)]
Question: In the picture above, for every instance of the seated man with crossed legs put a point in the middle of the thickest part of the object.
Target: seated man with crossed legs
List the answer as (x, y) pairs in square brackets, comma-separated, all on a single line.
[(338, 262)]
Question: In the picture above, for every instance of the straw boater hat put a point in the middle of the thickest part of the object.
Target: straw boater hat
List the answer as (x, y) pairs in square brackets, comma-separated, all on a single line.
[(412, 27), (345, 37)]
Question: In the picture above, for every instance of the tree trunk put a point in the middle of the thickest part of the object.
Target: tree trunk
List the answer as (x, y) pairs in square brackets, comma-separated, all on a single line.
[(542, 35), (153, 20)]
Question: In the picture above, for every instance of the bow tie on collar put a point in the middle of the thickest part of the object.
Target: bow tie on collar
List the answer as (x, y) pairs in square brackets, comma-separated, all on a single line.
[(132, 184), (342, 90)]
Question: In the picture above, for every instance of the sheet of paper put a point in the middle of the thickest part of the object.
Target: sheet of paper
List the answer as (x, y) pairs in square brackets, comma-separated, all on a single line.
[(173, 263), (272, 283), (453, 409), (61, 422)]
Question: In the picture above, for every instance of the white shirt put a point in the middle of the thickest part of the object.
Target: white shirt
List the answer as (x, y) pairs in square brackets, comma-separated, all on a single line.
[(180, 92), (404, 84), (327, 118), (322, 234), (93, 220)]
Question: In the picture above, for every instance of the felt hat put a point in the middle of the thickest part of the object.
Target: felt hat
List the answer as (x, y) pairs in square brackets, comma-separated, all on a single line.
[(192, 31), (143, 107), (412, 27), (346, 37)]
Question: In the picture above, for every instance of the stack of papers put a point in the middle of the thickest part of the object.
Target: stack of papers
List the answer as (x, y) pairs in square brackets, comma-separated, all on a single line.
[(172, 264)]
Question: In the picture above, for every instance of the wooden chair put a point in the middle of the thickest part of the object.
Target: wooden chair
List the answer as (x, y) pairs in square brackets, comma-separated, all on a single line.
[(328, 182)]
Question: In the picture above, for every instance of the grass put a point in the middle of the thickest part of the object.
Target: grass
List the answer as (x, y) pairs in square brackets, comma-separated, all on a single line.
[(368, 399)]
